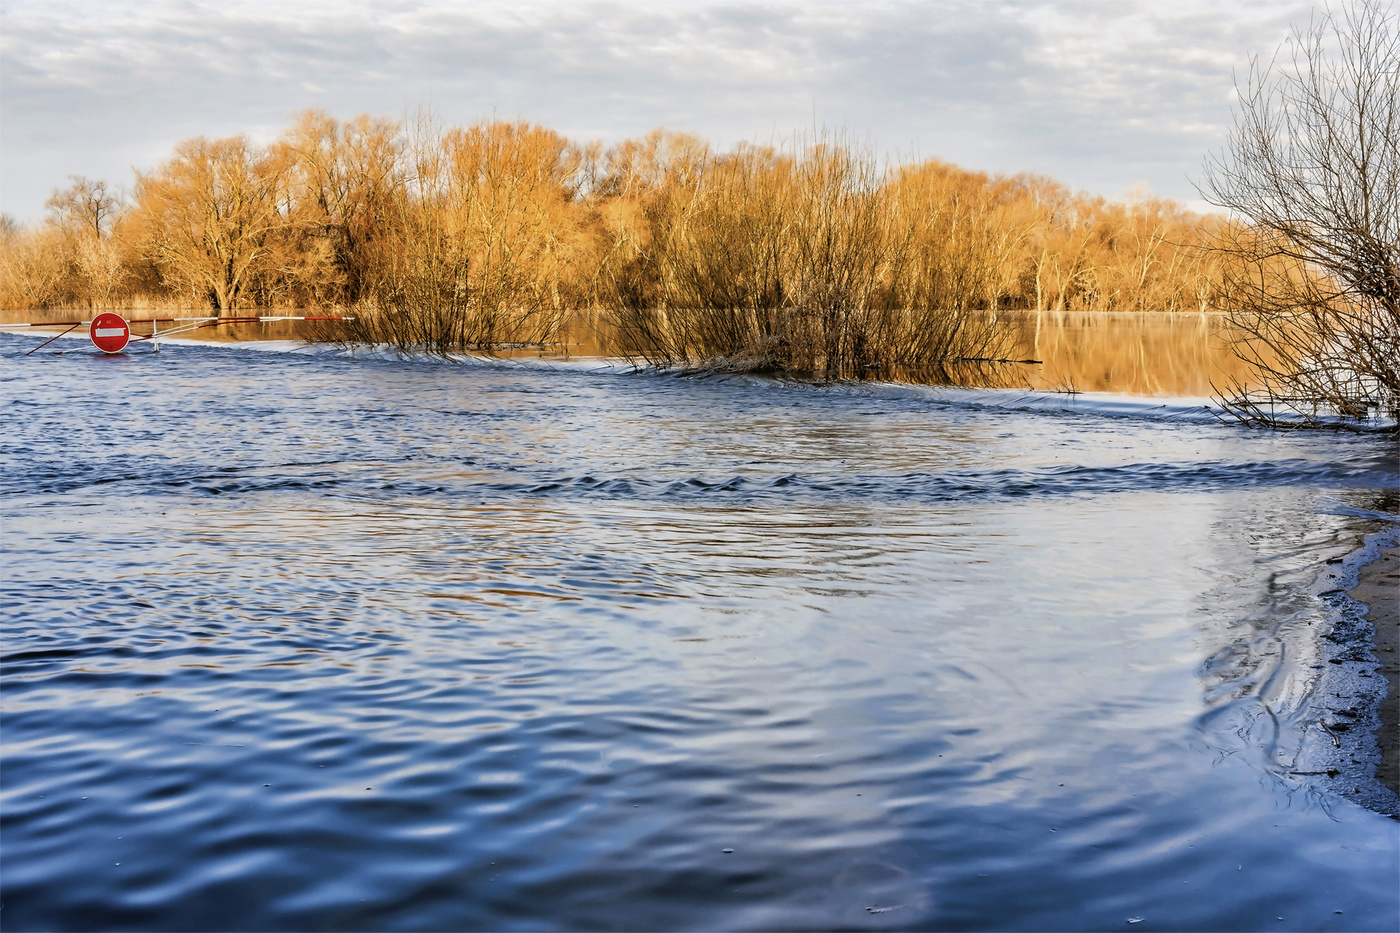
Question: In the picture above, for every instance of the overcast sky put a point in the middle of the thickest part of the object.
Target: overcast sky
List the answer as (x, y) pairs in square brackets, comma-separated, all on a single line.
[(1104, 96)]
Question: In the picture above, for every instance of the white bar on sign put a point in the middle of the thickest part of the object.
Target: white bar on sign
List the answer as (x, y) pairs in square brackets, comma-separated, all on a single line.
[(110, 331)]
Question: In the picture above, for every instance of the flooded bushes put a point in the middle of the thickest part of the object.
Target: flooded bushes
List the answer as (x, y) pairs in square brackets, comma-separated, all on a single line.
[(795, 262), (470, 254), (1318, 344)]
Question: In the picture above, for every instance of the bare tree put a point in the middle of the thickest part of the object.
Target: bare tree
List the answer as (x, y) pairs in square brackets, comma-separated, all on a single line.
[(345, 179), (1311, 277), (210, 213), (86, 206), (84, 216)]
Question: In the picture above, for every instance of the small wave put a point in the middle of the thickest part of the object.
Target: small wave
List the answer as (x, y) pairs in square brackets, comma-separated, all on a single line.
[(953, 486), (377, 479)]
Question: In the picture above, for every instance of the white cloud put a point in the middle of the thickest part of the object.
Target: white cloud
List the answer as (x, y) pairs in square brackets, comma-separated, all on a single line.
[(1100, 95)]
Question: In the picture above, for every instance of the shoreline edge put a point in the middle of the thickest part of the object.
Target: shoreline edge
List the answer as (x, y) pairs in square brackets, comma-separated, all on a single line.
[(1378, 589)]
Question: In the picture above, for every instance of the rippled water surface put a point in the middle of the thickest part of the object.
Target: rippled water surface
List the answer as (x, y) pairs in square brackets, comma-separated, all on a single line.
[(301, 641)]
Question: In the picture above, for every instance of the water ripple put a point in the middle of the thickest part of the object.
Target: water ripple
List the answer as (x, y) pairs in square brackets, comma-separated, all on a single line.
[(311, 642)]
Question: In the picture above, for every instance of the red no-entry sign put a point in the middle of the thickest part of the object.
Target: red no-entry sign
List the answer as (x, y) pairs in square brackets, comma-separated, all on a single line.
[(109, 332)]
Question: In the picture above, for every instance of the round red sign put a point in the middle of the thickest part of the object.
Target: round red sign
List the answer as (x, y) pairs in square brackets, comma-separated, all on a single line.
[(109, 332)]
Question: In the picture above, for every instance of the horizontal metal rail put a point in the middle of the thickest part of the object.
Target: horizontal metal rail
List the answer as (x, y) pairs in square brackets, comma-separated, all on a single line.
[(208, 321)]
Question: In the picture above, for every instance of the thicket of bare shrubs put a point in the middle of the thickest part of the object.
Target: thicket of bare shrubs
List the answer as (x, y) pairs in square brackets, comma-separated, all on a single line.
[(1312, 284), (799, 262), (806, 258)]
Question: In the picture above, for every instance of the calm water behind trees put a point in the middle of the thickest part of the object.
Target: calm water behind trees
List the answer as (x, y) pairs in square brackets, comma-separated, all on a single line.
[(1186, 355)]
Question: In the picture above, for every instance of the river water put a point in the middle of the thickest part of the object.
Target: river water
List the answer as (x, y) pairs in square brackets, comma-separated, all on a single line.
[(302, 640)]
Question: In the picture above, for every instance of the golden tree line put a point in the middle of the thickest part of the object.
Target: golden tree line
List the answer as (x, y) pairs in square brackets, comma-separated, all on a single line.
[(499, 219)]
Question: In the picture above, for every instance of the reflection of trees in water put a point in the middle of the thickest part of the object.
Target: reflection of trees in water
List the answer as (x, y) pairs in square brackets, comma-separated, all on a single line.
[(1134, 353)]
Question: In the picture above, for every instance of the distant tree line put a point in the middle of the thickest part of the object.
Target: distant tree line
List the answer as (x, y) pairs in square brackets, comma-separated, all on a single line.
[(807, 257), (384, 213)]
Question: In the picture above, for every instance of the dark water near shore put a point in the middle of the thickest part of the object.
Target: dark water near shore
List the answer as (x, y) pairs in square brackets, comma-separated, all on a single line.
[(298, 641)]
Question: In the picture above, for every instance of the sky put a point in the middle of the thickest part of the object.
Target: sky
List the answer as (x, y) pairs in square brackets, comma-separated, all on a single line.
[(1122, 99)]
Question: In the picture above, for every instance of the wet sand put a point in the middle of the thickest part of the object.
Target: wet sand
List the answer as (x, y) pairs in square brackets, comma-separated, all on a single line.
[(1378, 588)]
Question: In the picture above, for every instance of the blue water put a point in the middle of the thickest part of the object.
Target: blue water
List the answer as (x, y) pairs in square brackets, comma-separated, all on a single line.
[(305, 641)]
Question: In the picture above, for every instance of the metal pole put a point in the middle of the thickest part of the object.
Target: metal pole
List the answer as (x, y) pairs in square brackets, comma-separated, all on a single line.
[(52, 339)]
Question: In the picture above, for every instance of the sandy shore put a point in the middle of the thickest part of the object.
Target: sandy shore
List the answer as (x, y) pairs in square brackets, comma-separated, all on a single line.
[(1379, 589)]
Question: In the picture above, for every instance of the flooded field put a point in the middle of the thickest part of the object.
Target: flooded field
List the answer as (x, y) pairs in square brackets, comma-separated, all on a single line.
[(298, 639)]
